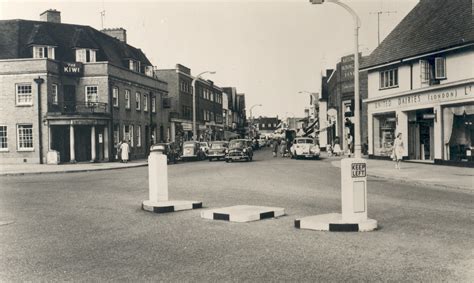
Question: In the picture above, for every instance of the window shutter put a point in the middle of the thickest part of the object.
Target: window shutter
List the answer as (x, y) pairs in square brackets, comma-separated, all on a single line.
[(440, 68)]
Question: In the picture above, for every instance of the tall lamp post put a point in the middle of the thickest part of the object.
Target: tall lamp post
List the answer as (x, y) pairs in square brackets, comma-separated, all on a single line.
[(353, 170), (194, 101), (357, 146), (251, 117)]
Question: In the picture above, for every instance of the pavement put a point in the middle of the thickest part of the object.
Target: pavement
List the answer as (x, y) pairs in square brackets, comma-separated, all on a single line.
[(411, 172)]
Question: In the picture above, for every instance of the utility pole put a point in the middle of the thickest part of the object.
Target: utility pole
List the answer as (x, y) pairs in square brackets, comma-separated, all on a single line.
[(378, 21)]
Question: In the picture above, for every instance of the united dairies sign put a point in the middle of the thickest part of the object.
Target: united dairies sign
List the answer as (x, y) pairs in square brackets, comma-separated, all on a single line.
[(72, 69)]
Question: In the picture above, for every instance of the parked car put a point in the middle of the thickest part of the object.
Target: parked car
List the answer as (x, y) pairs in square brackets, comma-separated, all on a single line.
[(239, 149), (172, 153), (204, 147), (192, 150), (217, 150), (304, 147)]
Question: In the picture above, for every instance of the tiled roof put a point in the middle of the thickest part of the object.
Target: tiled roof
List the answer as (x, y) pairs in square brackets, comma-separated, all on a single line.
[(431, 26), (16, 37)]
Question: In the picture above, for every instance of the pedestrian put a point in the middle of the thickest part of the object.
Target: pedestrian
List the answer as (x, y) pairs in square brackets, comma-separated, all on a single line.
[(118, 156), (337, 148), (275, 147), (349, 144), (397, 151), (283, 148), (125, 151)]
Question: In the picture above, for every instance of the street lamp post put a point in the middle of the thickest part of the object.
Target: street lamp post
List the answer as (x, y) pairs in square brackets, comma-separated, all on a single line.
[(194, 101), (251, 117), (357, 145)]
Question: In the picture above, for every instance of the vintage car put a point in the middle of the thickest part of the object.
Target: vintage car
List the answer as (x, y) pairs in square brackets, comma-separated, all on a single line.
[(192, 150), (169, 149), (217, 150), (239, 149), (304, 147), (204, 147)]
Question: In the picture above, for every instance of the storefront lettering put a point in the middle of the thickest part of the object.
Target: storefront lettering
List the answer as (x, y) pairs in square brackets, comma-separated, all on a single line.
[(409, 99), (468, 90), (383, 104), (444, 95)]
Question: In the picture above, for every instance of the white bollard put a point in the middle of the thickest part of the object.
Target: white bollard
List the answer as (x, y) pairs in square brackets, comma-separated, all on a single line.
[(354, 189), (157, 175)]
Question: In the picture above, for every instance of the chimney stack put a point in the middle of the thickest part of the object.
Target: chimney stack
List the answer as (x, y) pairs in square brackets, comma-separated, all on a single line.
[(51, 16), (118, 33)]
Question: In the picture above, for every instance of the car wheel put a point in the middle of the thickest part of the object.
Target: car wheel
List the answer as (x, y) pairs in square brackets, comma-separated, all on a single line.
[(210, 159)]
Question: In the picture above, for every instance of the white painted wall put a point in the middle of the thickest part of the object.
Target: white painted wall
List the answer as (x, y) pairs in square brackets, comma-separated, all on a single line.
[(403, 82)]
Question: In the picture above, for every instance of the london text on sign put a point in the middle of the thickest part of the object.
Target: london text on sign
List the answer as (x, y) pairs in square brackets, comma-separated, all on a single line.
[(359, 170)]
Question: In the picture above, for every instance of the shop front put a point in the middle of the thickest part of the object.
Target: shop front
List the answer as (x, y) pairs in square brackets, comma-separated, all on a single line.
[(436, 124)]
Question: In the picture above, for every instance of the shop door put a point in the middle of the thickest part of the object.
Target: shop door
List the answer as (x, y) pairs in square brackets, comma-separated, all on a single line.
[(413, 140), (426, 140), (82, 137)]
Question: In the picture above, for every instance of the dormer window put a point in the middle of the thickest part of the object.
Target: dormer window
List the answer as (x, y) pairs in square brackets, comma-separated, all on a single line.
[(432, 70), (43, 52), (85, 55), (149, 71), (134, 65)]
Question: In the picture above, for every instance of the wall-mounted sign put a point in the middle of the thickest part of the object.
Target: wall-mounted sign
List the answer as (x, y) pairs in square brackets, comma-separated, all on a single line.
[(72, 69)]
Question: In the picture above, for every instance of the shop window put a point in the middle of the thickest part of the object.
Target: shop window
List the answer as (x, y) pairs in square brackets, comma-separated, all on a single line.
[(139, 136), (116, 134), (3, 138), (459, 133), (384, 134), (24, 94), (25, 137)]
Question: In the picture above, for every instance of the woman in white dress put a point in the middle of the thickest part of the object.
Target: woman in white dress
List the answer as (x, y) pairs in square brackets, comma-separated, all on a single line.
[(398, 150), (125, 150)]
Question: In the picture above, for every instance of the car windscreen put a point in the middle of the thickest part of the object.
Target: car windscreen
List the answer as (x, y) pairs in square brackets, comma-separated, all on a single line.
[(217, 145), (236, 144), (188, 145), (203, 144), (304, 141)]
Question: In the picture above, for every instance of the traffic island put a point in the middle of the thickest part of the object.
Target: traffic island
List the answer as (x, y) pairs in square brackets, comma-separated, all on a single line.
[(353, 203), (243, 213), (333, 222), (158, 186), (170, 206)]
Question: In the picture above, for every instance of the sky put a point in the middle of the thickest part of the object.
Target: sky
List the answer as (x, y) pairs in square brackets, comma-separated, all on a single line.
[(269, 50)]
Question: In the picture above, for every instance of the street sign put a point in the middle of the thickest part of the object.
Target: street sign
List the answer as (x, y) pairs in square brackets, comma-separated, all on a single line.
[(359, 170)]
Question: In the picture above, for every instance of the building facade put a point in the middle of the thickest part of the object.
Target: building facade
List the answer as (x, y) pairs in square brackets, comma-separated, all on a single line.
[(425, 89), (70, 93), (237, 113), (266, 126), (338, 97), (209, 109)]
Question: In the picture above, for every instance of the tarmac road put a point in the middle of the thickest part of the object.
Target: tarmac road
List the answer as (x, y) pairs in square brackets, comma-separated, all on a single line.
[(90, 226)]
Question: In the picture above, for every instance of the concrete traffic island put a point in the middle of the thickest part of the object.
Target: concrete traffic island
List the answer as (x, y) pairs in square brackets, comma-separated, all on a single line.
[(158, 186), (353, 202), (243, 213)]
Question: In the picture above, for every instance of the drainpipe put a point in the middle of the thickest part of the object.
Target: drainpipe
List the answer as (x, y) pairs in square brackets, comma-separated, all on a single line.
[(38, 82)]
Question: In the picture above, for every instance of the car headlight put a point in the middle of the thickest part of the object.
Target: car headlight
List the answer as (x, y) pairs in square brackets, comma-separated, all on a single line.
[(226, 151), (245, 150)]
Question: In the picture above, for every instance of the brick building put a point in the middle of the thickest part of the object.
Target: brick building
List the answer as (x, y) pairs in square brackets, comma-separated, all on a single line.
[(338, 93), (71, 92), (209, 114)]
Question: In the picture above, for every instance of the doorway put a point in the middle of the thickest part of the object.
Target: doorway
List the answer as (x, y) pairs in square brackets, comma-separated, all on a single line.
[(421, 134), (69, 98)]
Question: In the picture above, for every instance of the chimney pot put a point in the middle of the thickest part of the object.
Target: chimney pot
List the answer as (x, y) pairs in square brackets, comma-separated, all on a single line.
[(51, 15)]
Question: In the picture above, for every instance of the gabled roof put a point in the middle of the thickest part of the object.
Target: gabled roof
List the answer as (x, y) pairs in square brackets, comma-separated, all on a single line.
[(431, 26), (16, 37)]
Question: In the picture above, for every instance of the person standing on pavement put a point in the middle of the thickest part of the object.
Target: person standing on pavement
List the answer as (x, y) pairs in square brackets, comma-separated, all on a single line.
[(275, 147), (125, 151), (398, 150)]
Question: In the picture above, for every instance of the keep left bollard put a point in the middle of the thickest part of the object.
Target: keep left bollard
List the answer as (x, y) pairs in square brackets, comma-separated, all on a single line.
[(158, 185)]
